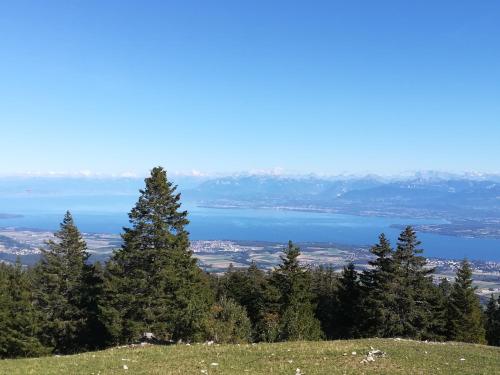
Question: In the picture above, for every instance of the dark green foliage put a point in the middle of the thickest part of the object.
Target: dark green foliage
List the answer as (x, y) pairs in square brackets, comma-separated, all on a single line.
[(437, 302), (325, 283), (228, 323), (493, 321), (153, 283), (297, 320), (348, 315), (94, 335), (18, 318), (380, 288), (59, 287), (413, 286), (400, 298), (246, 286), (464, 311), (250, 288), (445, 287)]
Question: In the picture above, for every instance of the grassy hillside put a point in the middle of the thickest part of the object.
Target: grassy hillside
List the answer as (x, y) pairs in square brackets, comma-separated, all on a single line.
[(334, 357)]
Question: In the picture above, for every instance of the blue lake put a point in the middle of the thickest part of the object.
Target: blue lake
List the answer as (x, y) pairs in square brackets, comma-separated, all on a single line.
[(250, 224)]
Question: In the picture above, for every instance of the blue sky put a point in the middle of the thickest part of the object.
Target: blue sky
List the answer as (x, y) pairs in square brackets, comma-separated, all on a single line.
[(311, 86)]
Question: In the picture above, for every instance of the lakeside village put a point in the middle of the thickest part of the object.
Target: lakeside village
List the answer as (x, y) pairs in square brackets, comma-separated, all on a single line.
[(218, 255)]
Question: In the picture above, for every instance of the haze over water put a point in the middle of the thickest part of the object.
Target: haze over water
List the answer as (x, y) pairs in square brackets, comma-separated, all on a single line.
[(95, 215)]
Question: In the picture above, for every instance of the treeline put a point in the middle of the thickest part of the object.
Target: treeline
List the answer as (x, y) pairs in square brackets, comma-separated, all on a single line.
[(152, 286)]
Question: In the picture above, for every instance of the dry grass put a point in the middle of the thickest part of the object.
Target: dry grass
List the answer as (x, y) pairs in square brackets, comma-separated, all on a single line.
[(334, 357)]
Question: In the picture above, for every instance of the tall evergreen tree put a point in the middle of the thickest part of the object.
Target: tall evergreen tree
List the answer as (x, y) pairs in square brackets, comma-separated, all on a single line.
[(59, 287), (18, 319), (153, 283), (464, 313), (94, 334), (297, 320), (325, 284), (493, 321), (413, 287), (348, 317), (380, 287), (437, 303), (267, 322)]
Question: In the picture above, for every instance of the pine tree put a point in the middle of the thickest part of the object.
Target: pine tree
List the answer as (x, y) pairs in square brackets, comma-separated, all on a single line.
[(94, 334), (437, 303), (59, 287), (348, 317), (153, 283), (18, 318), (493, 321), (250, 288), (267, 323), (380, 287), (441, 307), (325, 283), (413, 288), (464, 310), (297, 320)]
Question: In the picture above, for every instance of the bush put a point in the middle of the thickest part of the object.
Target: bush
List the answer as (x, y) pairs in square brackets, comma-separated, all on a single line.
[(228, 323)]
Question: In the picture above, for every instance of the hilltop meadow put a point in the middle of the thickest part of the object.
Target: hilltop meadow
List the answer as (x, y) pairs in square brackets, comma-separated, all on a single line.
[(292, 358)]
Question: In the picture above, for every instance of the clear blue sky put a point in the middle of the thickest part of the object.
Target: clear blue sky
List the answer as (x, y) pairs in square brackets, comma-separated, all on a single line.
[(311, 86)]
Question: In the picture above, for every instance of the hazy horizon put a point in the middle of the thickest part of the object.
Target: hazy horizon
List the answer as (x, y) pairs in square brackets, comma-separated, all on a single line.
[(263, 173)]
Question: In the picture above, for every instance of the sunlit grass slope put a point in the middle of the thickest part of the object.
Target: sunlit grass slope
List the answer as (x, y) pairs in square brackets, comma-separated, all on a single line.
[(334, 357)]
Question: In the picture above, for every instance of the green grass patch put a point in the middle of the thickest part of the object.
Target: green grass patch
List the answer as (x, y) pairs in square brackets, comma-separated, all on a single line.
[(328, 357)]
